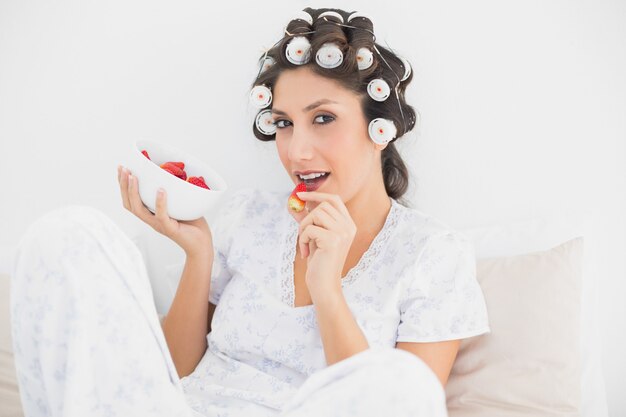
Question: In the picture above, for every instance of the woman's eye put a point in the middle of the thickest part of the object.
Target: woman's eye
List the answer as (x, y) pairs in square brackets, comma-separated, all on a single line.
[(325, 115), (280, 123)]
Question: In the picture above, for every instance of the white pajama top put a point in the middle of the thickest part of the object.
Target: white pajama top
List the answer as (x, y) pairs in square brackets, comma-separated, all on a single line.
[(415, 283)]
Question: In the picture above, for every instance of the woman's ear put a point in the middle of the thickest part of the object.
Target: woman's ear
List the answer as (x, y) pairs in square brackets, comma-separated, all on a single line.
[(380, 147)]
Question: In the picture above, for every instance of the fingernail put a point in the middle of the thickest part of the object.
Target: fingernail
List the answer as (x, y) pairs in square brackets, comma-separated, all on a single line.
[(161, 191)]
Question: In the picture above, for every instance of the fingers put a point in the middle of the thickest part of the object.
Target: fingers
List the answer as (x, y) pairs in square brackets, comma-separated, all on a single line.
[(130, 196), (323, 215), (137, 206), (161, 215), (160, 220), (318, 218), (314, 236), (122, 177), (332, 199)]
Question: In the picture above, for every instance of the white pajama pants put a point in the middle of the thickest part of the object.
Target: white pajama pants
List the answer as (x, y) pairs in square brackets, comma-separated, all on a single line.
[(88, 342)]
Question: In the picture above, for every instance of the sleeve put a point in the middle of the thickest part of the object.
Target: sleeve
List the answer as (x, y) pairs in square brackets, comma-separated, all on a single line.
[(224, 226), (443, 299)]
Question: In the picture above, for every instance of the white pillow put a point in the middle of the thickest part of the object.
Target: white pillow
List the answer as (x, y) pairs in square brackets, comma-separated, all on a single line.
[(542, 233), (530, 363)]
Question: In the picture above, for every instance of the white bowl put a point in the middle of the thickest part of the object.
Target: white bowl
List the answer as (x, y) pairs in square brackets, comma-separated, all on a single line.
[(185, 201)]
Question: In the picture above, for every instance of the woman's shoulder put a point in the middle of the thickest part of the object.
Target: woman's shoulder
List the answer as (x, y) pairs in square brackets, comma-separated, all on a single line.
[(420, 227)]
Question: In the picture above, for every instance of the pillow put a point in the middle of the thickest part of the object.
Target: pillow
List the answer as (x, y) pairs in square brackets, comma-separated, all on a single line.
[(542, 233), (529, 364), (10, 403)]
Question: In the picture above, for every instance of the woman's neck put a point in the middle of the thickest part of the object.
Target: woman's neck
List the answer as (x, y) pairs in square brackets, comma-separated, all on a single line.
[(369, 212)]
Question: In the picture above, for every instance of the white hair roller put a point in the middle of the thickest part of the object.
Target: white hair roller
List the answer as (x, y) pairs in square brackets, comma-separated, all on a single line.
[(358, 14), (331, 13), (260, 96), (302, 15), (364, 58), (298, 50), (268, 61), (378, 89), (407, 68), (381, 130), (329, 56), (264, 122)]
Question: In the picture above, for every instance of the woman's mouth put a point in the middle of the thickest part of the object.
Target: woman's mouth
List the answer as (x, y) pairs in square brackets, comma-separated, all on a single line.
[(315, 183)]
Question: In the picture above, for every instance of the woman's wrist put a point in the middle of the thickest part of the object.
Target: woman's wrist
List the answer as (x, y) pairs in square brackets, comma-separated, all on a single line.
[(200, 253)]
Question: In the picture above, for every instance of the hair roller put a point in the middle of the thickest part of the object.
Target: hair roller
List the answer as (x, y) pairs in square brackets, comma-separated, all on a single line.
[(331, 14)]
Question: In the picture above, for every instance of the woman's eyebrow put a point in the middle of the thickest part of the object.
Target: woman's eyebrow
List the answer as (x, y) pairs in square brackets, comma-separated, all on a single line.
[(309, 107)]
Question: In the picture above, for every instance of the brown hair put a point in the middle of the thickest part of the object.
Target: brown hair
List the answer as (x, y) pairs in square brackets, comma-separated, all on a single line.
[(390, 68)]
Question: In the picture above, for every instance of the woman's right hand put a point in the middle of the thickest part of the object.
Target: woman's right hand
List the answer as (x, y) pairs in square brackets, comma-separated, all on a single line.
[(193, 236)]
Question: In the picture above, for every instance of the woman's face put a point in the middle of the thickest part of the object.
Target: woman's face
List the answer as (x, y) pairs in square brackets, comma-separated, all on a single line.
[(320, 127)]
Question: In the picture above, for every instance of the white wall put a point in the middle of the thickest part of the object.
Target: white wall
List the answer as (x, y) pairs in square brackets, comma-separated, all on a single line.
[(522, 110)]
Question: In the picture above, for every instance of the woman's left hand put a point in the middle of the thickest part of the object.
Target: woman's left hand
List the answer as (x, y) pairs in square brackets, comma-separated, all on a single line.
[(326, 235)]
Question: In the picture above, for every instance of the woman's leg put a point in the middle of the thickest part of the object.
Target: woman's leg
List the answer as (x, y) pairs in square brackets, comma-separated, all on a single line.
[(375, 382), (86, 333)]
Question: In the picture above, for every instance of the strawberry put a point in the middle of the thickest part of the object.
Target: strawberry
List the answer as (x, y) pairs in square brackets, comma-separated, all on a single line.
[(294, 202), (171, 171), (199, 181), (174, 170), (180, 165), (145, 153)]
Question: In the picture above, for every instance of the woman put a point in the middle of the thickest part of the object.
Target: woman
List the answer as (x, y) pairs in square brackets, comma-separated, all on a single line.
[(354, 306)]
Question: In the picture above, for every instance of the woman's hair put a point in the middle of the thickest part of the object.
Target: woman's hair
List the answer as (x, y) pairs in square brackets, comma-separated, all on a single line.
[(390, 68)]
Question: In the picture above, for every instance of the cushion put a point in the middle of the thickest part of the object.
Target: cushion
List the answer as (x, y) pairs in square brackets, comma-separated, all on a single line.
[(543, 232), (529, 364), (10, 405)]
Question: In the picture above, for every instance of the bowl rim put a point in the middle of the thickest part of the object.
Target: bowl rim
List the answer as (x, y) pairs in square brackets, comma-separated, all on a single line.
[(145, 144)]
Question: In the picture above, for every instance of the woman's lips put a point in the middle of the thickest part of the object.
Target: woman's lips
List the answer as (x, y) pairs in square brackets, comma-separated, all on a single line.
[(315, 184)]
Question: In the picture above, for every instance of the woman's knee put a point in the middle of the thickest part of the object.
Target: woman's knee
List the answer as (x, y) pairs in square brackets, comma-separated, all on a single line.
[(409, 373), (380, 381), (404, 384), (72, 231), (67, 219), (411, 365), (61, 221)]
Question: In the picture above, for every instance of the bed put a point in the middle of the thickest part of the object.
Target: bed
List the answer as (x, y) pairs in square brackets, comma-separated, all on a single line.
[(543, 355)]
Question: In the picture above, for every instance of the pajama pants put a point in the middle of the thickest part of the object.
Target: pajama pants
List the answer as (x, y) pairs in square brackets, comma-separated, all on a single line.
[(88, 342)]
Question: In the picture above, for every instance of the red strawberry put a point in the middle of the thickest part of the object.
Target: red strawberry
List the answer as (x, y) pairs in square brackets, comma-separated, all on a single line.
[(175, 170), (170, 171), (199, 181), (180, 165), (294, 202), (145, 153)]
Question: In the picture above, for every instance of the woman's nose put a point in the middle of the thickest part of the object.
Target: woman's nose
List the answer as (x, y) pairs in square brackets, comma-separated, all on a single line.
[(300, 145)]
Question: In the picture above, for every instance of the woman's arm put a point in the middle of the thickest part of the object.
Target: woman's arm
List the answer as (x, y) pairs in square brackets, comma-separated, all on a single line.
[(439, 356), (187, 321), (341, 335)]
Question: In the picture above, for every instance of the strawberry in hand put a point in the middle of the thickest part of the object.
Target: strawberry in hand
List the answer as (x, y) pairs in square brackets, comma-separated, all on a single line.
[(294, 202)]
